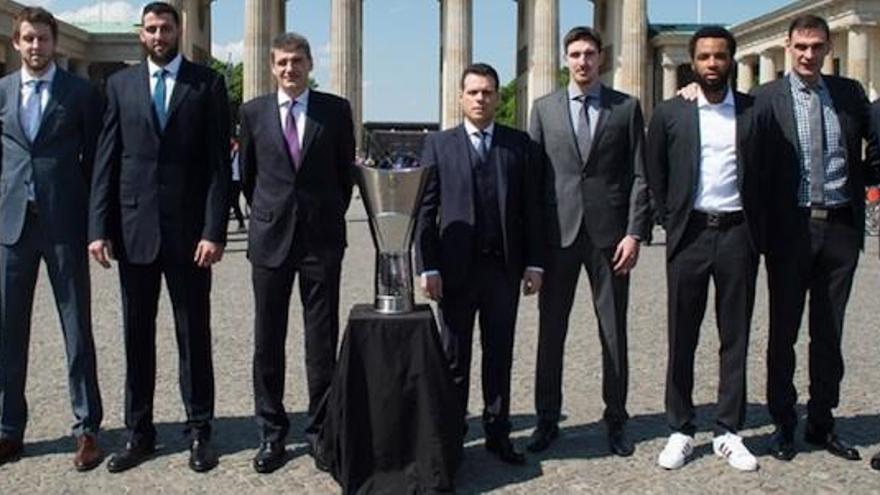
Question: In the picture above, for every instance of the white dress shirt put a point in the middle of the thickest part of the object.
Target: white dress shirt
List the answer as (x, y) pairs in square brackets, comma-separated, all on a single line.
[(717, 191), (26, 90), (171, 70), (473, 133), (299, 112)]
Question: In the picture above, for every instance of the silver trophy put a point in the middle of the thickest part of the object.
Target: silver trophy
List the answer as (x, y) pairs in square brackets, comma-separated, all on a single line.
[(392, 197)]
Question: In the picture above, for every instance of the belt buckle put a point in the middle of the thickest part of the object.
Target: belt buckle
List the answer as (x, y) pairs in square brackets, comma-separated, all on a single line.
[(819, 214), (713, 220)]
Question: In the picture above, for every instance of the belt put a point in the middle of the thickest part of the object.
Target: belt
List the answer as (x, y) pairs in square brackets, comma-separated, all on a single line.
[(717, 220), (32, 208), (832, 214)]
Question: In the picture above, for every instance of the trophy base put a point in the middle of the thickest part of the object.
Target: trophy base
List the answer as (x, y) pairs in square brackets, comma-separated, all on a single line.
[(390, 305)]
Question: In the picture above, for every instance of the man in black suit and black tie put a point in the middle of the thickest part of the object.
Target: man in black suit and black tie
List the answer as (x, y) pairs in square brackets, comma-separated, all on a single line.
[(705, 185), (50, 121), (811, 130), (297, 151), (160, 203), (596, 213), (478, 235)]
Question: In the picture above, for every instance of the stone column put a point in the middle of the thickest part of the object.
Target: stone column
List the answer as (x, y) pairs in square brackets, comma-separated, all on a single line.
[(670, 75), (455, 55), (543, 50), (767, 67), (857, 61), (279, 19), (874, 56), (630, 77), (828, 63), (745, 75), (257, 31), (524, 22), (346, 62)]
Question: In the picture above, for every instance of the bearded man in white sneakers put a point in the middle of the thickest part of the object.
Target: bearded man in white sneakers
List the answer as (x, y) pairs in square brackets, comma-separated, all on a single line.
[(703, 179)]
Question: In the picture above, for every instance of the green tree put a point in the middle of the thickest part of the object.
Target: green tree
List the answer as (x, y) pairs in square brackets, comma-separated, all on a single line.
[(507, 106)]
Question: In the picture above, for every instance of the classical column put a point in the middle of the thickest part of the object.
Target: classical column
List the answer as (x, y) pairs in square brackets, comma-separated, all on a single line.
[(745, 74), (630, 76), (543, 50), (455, 56), (279, 18), (524, 22), (670, 75), (874, 56), (767, 67), (857, 61), (257, 32), (346, 26)]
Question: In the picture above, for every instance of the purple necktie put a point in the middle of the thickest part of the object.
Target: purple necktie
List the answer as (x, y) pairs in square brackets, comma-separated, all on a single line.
[(291, 135)]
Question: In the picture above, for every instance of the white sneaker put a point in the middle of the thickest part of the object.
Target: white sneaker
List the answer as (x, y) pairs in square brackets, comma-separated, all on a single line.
[(730, 446), (678, 449)]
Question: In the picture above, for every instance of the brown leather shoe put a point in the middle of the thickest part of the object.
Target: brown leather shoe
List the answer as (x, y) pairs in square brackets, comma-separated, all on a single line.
[(10, 450), (88, 455)]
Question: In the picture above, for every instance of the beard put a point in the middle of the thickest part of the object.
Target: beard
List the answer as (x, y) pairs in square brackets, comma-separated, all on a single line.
[(711, 86), (164, 58), (39, 65)]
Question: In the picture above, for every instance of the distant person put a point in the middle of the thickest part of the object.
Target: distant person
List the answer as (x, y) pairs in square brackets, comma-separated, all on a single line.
[(478, 239), (297, 155), (160, 205), (597, 213), (50, 123), (235, 189)]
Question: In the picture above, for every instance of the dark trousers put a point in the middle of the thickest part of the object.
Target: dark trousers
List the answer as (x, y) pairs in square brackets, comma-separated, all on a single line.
[(491, 291), (610, 295), (821, 260), (319, 269), (189, 288), (68, 268), (234, 193), (726, 256)]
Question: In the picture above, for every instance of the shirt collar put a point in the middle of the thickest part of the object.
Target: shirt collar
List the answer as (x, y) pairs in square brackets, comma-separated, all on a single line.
[(471, 129), (172, 68), (47, 76), (799, 84), (726, 102), (574, 91), (302, 99)]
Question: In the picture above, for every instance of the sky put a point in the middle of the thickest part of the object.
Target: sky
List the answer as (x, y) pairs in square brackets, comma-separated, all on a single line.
[(401, 38)]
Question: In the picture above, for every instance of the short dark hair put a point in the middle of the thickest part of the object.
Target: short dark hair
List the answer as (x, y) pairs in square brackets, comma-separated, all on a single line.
[(291, 42), (582, 33), (480, 69), (161, 8), (809, 21), (34, 15), (712, 32)]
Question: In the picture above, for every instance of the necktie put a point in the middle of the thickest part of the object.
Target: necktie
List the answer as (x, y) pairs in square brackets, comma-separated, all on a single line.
[(817, 155), (159, 98), (33, 109), (584, 136), (291, 135), (482, 144)]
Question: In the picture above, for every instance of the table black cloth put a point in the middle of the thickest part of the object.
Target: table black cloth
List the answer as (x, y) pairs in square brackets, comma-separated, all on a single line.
[(388, 420)]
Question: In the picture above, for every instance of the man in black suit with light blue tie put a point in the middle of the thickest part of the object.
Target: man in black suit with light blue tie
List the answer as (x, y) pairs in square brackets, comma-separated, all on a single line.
[(160, 202), (478, 235), (50, 125)]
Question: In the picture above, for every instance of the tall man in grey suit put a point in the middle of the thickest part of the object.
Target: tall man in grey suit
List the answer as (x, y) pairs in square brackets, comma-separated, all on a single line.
[(50, 125), (297, 150), (597, 212), (812, 132), (160, 202)]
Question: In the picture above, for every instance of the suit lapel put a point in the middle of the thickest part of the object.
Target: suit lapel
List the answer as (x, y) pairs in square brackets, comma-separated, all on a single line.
[(273, 123), (142, 87), (562, 115), (57, 92), (13, 96), (783, 107), (313, 123), (690, 122), (499, 154), (462, 163), (743, 130), (182, 86)]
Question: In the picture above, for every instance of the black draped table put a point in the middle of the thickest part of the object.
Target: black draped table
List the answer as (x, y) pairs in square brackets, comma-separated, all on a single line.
[(389, 422)]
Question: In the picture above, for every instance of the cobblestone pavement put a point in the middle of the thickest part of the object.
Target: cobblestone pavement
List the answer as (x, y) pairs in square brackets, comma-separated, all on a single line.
[(577, 463)]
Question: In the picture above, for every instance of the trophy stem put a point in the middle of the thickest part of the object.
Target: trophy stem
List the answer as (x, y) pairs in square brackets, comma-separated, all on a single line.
[(394, 283)]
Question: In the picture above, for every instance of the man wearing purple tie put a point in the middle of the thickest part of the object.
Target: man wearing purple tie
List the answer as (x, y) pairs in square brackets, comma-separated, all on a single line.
[(297, 149)]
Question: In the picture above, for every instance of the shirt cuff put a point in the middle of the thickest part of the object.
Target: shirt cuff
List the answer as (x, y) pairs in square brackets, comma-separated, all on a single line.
[(430, 273), (537, 269)]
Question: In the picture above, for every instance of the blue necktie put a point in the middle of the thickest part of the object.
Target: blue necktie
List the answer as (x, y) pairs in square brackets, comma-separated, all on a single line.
[(159, 98), (33, 110)]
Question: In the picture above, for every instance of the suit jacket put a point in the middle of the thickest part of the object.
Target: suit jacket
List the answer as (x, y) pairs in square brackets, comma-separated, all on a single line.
[(446, 239), (308, 203), (605, 191), (61, 157), (162, 190), (673, 166), (780, 153)]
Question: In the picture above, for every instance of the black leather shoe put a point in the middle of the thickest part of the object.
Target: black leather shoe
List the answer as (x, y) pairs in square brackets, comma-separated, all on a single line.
[(202, 457), (504, 450), (875, 461), (129, 457), (618, 443), (543, 436), (831, 443), (781, 445), (270, 457)]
